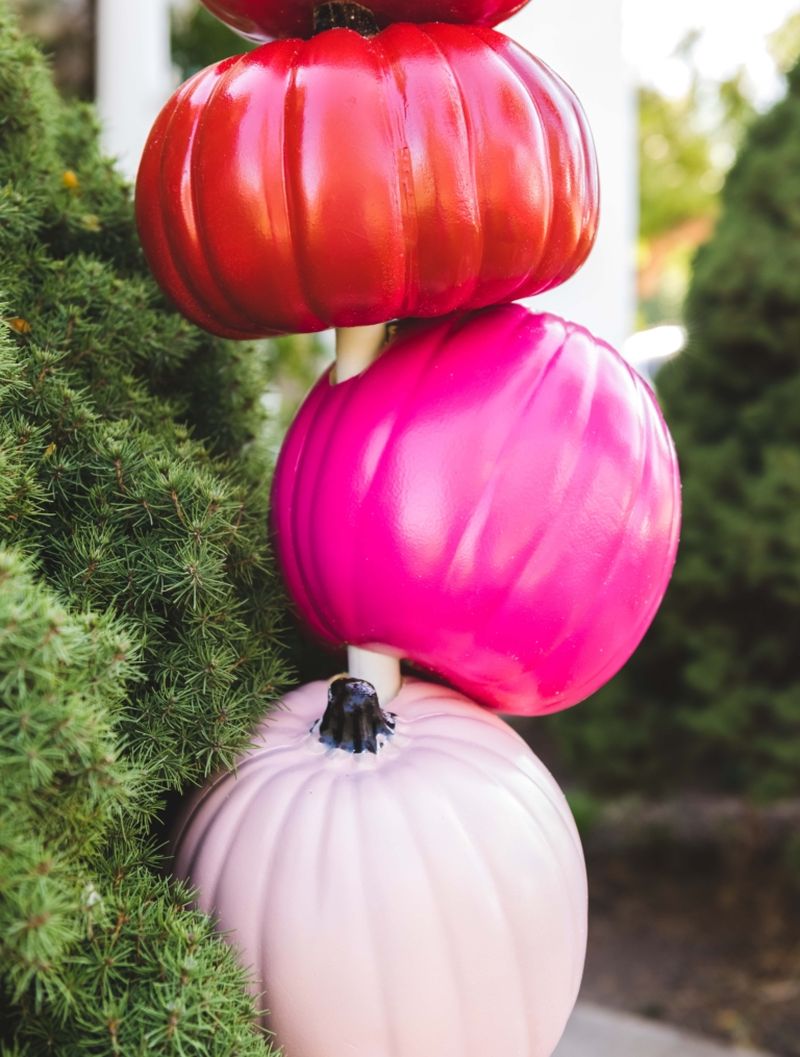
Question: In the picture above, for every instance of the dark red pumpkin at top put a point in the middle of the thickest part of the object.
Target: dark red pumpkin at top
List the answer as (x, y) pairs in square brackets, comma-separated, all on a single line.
[(346, 180), (265, 19)]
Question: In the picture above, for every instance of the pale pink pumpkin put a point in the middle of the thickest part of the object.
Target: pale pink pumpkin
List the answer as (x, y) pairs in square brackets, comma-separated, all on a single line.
[(496, 498), (427, 898)]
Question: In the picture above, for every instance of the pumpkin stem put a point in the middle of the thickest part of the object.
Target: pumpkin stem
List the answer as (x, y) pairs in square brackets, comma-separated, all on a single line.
[(345, 16), (353, 719), (356, 349)]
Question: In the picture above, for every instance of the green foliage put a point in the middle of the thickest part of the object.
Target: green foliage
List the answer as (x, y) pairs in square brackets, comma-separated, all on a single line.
[(199, 39), (586, 809), (138, 610), (784, 43), (686, 144), (713, 696), (677, 177)]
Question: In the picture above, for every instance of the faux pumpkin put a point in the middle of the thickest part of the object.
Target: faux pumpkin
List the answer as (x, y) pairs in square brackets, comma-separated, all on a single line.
[(265, 19), (496, 498), (344, 181), (401, 885)]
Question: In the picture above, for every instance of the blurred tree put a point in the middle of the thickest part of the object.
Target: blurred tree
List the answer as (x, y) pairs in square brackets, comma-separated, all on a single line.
[(784, 43), (686, 145), (199, 39), (139, 613), (712, 698), (65, 29)]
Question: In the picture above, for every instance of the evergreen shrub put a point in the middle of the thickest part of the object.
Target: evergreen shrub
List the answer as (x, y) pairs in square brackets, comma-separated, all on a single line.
[(712, 698), (139, 614)]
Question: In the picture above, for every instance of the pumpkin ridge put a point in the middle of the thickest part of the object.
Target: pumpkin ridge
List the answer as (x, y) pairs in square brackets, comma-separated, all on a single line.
[(284, 211), (182, 100), (470, 843), (299, 520), (405, 184), (586, 233), (559, 807), (483, 504), (548, 533), (591, 194), (224, 292), (633, 499), (291, 194), (438, 298), (361, 871), (570, 112), (289, 553), (651, 424), (318, 572), (224, 805), (523, 287), (196, 159), (156, 232), (455, 976), (467, 300), (410, 402), (269, 876), (559, 811), (294, 194), (515, 573), (235, 773), (568, 108)]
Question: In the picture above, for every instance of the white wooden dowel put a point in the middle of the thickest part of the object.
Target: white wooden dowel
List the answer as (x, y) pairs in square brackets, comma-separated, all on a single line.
[(379, 669), (356, 349)]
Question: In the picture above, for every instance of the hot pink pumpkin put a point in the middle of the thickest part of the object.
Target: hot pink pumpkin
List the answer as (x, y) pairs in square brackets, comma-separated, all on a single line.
[(428, 898), (496, 498)]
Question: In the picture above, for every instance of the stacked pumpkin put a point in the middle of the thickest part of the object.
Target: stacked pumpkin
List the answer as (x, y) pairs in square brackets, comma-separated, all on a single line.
[(491, 496)]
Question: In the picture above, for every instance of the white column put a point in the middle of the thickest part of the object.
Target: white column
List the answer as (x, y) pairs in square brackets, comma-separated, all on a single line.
[(135, 75), (582, 41)]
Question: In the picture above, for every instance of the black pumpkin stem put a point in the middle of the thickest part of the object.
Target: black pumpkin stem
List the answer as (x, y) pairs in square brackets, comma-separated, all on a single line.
[(345, 16), (354, 719)]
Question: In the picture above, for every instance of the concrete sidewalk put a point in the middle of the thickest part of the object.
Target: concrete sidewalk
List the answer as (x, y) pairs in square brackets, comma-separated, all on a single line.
[(596, 1032)]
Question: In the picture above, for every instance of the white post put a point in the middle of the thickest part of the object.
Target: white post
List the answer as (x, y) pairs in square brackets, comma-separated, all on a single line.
[(135, 75), (582, 41)]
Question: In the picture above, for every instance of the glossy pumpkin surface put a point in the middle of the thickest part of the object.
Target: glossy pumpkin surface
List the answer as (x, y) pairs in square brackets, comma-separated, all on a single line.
[(429, 899), (496, 498), (343, 181), (265, 19)]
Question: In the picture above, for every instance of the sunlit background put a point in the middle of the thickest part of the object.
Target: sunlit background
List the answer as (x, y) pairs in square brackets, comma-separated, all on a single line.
[(684, 776)]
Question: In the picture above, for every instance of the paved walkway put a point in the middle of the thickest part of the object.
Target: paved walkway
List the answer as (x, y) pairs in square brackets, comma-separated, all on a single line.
[(596, 1032)]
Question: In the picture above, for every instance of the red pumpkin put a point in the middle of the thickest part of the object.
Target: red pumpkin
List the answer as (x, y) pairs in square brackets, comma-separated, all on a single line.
[(263, 19), (344, 181)]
